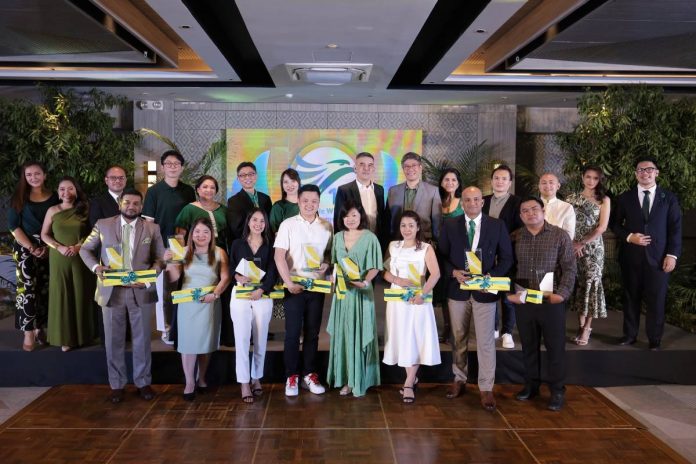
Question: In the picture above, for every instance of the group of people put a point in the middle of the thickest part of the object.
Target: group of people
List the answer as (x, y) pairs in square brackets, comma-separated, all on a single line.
[(428, 242)]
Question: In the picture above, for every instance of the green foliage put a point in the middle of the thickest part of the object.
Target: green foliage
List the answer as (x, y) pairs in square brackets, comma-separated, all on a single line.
[(624, 122), (681, 297), (474, 165), (70, 133)]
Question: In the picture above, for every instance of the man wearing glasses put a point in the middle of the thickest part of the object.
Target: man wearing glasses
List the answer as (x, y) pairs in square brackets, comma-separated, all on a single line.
[(248, 198), (415, 195), (163, 203), (647, 223), (106, 205)]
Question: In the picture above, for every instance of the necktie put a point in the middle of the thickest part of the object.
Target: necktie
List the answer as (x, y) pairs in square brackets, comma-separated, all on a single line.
[(125, 246), (646, 205), (472, 232)]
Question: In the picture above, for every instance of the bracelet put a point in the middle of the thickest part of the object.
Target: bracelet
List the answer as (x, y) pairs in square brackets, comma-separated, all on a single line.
[(366, 282), (216, 295)]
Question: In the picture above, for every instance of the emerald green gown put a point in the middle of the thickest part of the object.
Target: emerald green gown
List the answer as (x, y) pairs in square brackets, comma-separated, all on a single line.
[(354, 352)]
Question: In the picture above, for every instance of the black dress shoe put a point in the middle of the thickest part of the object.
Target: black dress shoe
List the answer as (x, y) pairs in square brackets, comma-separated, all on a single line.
[(654, 346), (147, 393), (201, 390), (527, 393), (626, 340), (189, 396), (556, 402), (116, 395)]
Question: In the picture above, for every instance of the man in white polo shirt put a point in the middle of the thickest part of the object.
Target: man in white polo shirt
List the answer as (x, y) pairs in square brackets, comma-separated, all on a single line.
[(303, 308), (558, 212)]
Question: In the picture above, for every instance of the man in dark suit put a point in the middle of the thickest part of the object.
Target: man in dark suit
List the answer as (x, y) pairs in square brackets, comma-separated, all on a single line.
[(505, 206), (106, 205), (364, 192), (647, 222), (248, 198), (141, 248), (469, 232), (415, 195)]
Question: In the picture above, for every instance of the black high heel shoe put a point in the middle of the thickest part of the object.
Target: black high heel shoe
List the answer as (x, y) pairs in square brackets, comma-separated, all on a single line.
[(189, 396)]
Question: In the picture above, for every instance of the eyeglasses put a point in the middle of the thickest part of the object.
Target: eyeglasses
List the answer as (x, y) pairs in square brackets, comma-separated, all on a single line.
[(171, 165), (649, 170), (115, 178), (411, 166), (247, 175)]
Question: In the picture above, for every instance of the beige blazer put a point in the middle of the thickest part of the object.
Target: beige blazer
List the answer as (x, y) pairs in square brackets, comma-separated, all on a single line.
[(147, 254)]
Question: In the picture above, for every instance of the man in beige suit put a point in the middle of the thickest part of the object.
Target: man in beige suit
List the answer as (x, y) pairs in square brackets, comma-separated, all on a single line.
[(141, 247)]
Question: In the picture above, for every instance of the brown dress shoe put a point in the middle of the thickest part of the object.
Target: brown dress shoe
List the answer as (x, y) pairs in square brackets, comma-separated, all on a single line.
[(456, 389), (488, 400), (116, 395), (147, 393)]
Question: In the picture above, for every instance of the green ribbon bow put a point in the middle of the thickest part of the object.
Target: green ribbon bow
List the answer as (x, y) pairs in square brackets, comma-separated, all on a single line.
[(408, 294), (129, 278), (485, 282), (306, 283), (196, 293)]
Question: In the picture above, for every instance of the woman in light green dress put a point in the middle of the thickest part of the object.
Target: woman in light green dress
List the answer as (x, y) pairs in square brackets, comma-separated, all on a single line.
[(354, 352), (71, 284)]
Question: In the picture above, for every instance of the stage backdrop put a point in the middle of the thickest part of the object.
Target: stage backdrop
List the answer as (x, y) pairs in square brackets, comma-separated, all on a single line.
[(321, 157)]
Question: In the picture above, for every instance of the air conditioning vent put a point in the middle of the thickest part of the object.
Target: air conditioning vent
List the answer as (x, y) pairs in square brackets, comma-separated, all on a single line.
[(329, 73)]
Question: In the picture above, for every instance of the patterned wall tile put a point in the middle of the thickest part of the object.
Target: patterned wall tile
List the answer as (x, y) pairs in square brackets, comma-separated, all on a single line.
[(352, 120), (194, 143), (460, 122), (403, 120), (548, 155), (442, 145), (251, 119), (302, 119), (202, 120)]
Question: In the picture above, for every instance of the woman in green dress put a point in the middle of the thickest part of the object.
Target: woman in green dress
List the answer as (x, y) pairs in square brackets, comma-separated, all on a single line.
[(71, 284), (206, 207), (353, 352), (287, 206)]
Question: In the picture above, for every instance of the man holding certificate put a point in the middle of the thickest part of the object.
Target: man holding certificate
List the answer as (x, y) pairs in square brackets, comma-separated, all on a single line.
[(302, 256), (544, 281), (133, 246), (477, 249)]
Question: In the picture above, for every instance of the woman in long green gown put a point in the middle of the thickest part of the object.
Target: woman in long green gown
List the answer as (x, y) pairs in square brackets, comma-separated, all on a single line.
[(71, 284), (354, 352)]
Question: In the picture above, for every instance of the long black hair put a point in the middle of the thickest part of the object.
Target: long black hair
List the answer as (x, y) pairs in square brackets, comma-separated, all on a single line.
[(443, 193), (266, 234), (419, 223), (600, 191)]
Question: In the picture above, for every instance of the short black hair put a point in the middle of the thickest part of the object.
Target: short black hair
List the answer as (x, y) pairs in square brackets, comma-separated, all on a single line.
[(411, 156), (245, 164), (364, 154), (130, 191), (343, 212), (531, 198), (309, 188), (503, 167), (173, 153), (642, 159)]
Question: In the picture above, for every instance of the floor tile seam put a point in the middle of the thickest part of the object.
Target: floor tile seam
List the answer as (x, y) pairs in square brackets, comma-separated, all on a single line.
[(524, 445), (386, 425), (263, 423), (563, 429)]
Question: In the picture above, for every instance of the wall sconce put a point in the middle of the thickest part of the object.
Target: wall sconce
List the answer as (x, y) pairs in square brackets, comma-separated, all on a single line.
[(151, 173)]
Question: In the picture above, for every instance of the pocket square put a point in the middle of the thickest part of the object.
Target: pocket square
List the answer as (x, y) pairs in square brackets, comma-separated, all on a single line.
[(147, 241)]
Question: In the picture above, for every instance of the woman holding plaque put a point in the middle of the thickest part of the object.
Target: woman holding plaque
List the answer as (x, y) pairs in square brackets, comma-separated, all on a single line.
[(592, 208), (411, 333), (353, 351), (251, 261), (71, 285), (30, 201), (206, 275)]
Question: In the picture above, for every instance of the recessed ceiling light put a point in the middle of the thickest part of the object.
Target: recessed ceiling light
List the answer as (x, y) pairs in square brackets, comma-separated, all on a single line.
[(503, 97), (288, 95), (331, 46)]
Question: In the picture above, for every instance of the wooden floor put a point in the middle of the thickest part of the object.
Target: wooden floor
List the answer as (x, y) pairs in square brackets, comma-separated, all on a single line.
[(70, 424)]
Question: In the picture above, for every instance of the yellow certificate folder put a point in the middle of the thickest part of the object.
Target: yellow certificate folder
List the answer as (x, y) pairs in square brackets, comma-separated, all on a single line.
[(312, 256), (534, 296), (190, 294), (405, 294), (313, 285), (115, 258), (116, 278), (178, 251), (487, 283), (475, 266), (242, 292)]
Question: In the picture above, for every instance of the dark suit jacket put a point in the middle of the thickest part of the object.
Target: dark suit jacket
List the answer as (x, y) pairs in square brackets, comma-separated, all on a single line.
[(238, 206), (427, 204), (510, 214), (350, 191), (496, 251), (664, 226), (101, 207)]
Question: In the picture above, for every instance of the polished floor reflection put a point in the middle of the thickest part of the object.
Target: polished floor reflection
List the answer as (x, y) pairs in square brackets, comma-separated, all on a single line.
[(77, 423)]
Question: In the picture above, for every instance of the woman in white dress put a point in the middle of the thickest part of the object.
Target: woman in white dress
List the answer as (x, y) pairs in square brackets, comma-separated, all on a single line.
[(411, 334)]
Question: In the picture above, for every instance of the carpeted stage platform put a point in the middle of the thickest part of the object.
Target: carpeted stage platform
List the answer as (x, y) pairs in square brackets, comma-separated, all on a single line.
[(599, 364)]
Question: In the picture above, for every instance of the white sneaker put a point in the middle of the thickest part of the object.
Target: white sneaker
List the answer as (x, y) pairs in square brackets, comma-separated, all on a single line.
[(291, 388), (311, 383), (496, 334), (508, 342), (165, 338)]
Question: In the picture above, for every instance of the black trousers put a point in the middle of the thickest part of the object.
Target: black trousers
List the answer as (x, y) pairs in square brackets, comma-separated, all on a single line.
[(546, 321), (507, 322), (302, 310), (644, 283)]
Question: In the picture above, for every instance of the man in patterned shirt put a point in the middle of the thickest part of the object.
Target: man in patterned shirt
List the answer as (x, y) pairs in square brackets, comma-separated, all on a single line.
[(541, 248)]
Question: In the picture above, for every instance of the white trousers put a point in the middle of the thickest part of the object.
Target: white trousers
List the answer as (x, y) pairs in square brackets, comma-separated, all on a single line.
[(250, 318)]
